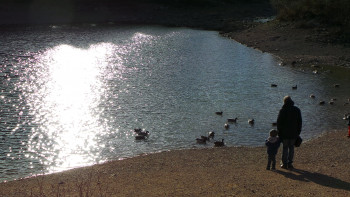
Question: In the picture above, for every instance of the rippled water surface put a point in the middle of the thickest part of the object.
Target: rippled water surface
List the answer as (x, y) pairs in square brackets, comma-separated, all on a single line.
[(71, 96)]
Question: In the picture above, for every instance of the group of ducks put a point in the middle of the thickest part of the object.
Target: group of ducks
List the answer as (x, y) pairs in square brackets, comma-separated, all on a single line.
[(293, 87), (211, 135), (322, 102), (204, 139), (233, 120), (141, 134)]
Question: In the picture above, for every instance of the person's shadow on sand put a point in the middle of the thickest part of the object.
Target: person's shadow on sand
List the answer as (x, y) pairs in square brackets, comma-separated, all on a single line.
[(321, 179)]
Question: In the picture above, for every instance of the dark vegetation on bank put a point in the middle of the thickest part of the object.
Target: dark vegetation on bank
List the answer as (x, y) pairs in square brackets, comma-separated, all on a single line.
[(222, 15), (331, 14), (205, 14)]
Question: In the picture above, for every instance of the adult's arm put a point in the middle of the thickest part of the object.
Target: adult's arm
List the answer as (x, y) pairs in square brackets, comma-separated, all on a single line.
[(300, 122)]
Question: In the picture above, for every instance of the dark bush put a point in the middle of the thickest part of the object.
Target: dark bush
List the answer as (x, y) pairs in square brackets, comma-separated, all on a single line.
[(332, 13), (327, 11)]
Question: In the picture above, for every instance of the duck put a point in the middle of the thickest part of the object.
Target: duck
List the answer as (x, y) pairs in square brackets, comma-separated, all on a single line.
[(139, 131), (295, 87), (201, 141), (140, 137), (336, 85), (274, 85), (251, 121), (219, 113), (143, 133), (205, 138), (232, 120), (211, 134), (140, 134), (312, 96), (219, 143), (322, 102), (331, 102), (227, 126)]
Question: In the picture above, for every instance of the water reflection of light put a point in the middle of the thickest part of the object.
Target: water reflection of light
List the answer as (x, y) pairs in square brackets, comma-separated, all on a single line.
[(65, 100)]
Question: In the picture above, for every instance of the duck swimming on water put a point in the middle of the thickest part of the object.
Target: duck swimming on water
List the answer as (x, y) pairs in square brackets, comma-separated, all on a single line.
[(219, 143), (234, 120), (201, 141), (227, 126), (251, 121), (211, 134), (141, 134), (219, 113)]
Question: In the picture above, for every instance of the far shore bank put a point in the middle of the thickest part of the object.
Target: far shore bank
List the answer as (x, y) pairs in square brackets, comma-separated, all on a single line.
[(295, 44)]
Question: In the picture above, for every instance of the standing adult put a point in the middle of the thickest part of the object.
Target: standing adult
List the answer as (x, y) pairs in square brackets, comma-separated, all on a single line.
[(289, 123)]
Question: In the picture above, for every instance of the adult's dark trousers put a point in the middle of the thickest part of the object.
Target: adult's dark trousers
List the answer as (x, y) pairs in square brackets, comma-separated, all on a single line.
[(288, 151)]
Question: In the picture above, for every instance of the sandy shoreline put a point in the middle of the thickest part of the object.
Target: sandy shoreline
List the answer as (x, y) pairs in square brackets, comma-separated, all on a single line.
[(321, 170), (321, 164)]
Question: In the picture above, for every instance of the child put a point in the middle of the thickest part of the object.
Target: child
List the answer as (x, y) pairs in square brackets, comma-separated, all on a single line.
[(273, 143)]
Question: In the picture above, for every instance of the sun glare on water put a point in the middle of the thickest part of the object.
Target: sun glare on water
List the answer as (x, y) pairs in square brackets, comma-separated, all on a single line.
[(65, 100)]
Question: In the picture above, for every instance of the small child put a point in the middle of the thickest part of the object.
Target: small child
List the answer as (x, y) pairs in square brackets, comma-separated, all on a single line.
[(273, 143)]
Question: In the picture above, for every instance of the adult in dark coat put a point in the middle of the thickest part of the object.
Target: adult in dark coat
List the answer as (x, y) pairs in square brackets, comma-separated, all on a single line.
[(289, 123)]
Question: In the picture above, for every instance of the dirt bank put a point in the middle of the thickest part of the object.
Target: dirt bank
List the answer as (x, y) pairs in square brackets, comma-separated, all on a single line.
[(303, 47)]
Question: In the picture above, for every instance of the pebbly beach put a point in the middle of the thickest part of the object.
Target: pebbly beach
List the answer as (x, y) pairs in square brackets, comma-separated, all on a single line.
[(321, 164), (321, 169)]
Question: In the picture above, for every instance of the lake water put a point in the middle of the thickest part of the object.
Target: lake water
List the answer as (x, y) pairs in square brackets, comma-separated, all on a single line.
[(72, 95)]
